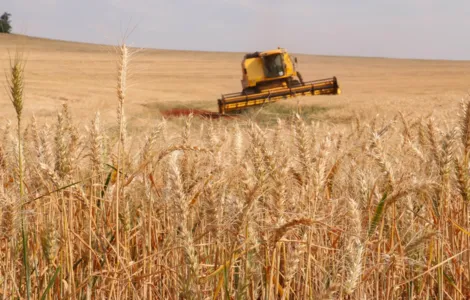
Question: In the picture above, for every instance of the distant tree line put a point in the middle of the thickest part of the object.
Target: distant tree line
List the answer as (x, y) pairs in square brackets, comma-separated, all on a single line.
[(5, 26)]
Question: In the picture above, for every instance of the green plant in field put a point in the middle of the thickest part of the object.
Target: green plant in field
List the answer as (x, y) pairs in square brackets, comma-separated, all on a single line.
[(269, 114)]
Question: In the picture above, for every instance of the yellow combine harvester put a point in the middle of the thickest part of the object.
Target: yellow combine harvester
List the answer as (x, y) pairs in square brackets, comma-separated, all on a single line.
[(270, 76)]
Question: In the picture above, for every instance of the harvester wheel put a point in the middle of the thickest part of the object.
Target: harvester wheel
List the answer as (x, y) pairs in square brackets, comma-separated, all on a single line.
[(294, 83), (249, 91)]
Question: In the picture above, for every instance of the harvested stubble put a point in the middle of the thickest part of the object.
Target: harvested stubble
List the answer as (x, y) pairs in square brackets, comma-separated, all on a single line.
[(233, 210)]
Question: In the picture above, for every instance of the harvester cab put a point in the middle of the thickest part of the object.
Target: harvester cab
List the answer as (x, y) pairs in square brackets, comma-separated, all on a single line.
[(274, 65), (271, 76)]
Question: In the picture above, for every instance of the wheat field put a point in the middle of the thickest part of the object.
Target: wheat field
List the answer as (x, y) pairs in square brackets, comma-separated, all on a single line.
[(83, 77), (100, 201)]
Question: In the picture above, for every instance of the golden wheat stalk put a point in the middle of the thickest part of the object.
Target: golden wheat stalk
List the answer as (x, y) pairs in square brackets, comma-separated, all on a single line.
[(16, 93), (465, 126), (354, 248), (121, 94)]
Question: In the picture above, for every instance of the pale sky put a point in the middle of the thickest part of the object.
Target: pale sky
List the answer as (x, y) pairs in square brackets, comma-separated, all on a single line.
[(428, 29)]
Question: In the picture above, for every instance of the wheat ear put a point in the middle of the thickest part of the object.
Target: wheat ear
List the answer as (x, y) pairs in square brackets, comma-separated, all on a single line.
[(121, 95)]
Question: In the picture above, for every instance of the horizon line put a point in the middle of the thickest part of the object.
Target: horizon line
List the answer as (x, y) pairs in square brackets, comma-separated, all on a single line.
[(234, 52)]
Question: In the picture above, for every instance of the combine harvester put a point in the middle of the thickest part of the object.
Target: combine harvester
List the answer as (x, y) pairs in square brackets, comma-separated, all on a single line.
[(270, 76), (267, 77)]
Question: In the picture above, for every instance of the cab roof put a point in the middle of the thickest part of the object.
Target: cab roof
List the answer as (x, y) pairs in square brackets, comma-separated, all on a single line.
[(264, 53), (270, 52)]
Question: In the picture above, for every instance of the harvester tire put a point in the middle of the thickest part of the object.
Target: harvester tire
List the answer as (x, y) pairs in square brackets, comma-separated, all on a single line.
[(294, 83), (249, 91)]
